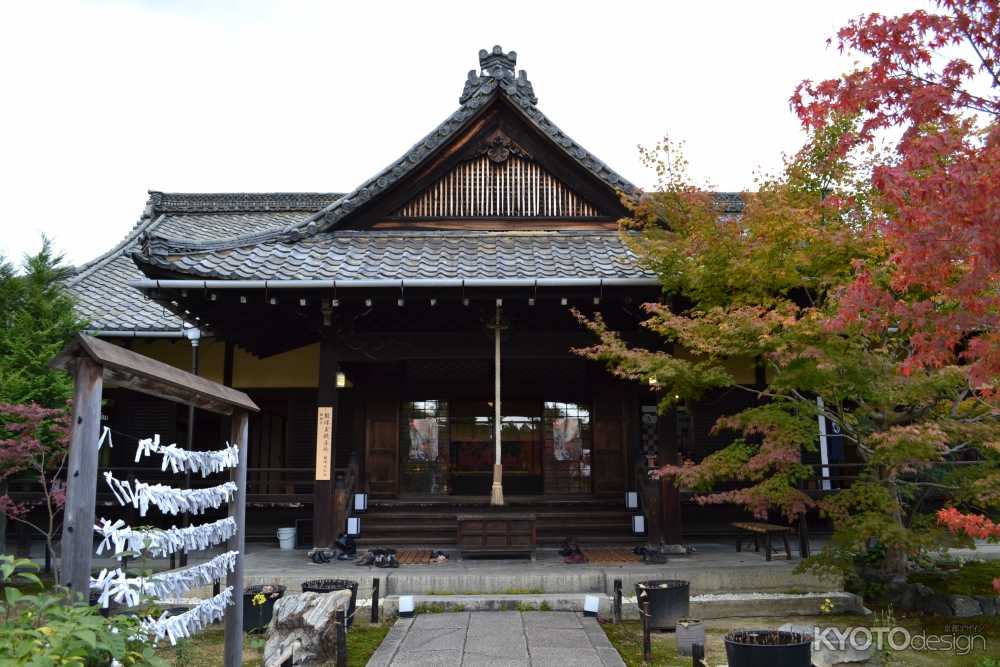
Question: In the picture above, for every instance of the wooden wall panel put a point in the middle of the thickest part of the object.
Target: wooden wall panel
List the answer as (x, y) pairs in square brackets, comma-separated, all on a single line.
[(382, 447)]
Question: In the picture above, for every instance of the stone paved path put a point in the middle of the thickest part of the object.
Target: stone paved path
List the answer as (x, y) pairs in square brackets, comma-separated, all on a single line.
[(496, 639)]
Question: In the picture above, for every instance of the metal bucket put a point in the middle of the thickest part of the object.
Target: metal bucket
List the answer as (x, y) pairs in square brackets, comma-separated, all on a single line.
[(669, 601), (768, 648)]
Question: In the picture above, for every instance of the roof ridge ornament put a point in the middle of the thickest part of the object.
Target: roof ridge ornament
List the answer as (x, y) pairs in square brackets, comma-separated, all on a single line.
[(496, 68), (497, 64)]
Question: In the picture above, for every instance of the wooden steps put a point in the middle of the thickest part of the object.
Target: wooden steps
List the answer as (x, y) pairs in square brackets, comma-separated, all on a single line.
[(433, 522)]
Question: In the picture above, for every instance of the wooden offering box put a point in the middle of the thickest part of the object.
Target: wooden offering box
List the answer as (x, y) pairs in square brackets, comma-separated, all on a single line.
[(496, 534)]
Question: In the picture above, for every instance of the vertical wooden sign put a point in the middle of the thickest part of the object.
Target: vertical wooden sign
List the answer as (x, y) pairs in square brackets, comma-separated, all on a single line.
[(324, 441)]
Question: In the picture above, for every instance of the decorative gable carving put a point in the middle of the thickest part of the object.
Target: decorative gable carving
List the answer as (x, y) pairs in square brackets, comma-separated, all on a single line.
[(500, 180)]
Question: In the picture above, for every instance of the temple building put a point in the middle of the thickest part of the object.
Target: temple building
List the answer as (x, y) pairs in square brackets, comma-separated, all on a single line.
[(393, 335)]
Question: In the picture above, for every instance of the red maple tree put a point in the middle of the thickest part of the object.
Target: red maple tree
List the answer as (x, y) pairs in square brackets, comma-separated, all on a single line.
[(934, 78), (33, 447)]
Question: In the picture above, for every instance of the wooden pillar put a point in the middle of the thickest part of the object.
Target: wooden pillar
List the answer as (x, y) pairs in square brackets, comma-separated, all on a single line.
[(233, 654), (324, 530), (670, 496), (81, 478), (496, 490)]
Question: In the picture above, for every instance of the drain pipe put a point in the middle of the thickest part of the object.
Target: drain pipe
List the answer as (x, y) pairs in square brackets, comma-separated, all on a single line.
[(182, 284), (193, 334)]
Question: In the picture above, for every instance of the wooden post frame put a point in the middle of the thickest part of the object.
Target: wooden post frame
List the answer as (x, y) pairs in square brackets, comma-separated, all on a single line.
[(96, 363), (81, 476), (238, 542)]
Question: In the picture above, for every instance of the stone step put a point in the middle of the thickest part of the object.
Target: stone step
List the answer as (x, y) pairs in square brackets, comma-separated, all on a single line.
[(704, 607)]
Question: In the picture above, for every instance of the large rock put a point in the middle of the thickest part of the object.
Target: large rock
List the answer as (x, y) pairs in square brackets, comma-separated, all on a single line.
[(965, 606), (989, 605), (304, 629), (831, 653)]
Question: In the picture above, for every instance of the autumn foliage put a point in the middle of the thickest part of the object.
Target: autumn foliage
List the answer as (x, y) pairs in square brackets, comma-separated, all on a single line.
[(865, 282), (935, 77), (33, 449)]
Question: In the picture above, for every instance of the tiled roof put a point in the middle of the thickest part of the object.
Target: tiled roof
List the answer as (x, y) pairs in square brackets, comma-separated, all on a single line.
[(496, 78), (356, 255), (100, 287)]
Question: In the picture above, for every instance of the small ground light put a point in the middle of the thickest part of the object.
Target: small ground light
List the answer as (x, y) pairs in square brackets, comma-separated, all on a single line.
[(353, 526), (360, 502), (406, 606), (591, 606), (631, 500), (638, 524)]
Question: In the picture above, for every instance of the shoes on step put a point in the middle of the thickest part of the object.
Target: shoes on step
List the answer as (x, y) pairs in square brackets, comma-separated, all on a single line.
[(575, 558), (567, 547)]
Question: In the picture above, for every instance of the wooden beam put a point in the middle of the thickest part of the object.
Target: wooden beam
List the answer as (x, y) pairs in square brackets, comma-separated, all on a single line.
[(81, 484), (233, 653), (324, 530), (149, 376)]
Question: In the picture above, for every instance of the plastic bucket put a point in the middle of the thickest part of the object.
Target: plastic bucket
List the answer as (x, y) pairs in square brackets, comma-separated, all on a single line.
[(286, 538)]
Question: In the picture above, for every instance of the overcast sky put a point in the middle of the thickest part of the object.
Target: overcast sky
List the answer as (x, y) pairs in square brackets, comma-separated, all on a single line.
[(103, 101)]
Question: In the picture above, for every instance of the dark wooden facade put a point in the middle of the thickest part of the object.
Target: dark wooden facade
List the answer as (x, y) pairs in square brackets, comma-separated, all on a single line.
[(397, 283)]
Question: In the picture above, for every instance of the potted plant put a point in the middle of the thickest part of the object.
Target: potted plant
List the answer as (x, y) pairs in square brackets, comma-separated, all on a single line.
[(258, 605), (768, 648), (669, 600)]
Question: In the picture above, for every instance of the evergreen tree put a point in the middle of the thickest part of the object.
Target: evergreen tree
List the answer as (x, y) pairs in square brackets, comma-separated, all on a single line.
[(37, 318)]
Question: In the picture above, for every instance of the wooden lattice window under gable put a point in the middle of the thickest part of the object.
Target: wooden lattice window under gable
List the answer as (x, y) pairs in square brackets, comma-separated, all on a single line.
[(500, 180)]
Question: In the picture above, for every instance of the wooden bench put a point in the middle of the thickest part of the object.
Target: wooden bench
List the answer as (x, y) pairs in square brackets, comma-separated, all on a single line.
[(496, 534), (765, 530)]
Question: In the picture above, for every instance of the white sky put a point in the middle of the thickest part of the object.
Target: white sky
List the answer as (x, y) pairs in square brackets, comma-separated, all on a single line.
[(102, 101)]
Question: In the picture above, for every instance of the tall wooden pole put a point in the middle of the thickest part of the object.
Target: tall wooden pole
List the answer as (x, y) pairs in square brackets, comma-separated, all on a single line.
[(233, 654), (496, 493), (81, 482), (325, 529)]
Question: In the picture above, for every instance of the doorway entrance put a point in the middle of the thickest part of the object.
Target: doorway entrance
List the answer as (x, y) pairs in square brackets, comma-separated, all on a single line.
[(447, 447)]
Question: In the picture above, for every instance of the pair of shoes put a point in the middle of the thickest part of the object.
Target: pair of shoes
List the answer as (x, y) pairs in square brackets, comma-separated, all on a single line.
[(575, 558), (386, 560), (346, 544), (320, 557), (568, 547), (438, 557)]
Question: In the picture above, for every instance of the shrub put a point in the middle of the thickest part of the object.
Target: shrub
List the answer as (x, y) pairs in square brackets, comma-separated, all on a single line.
[(55, 628)]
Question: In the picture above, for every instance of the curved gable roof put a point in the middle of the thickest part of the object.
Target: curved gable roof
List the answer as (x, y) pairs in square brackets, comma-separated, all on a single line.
[(496, 79)]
